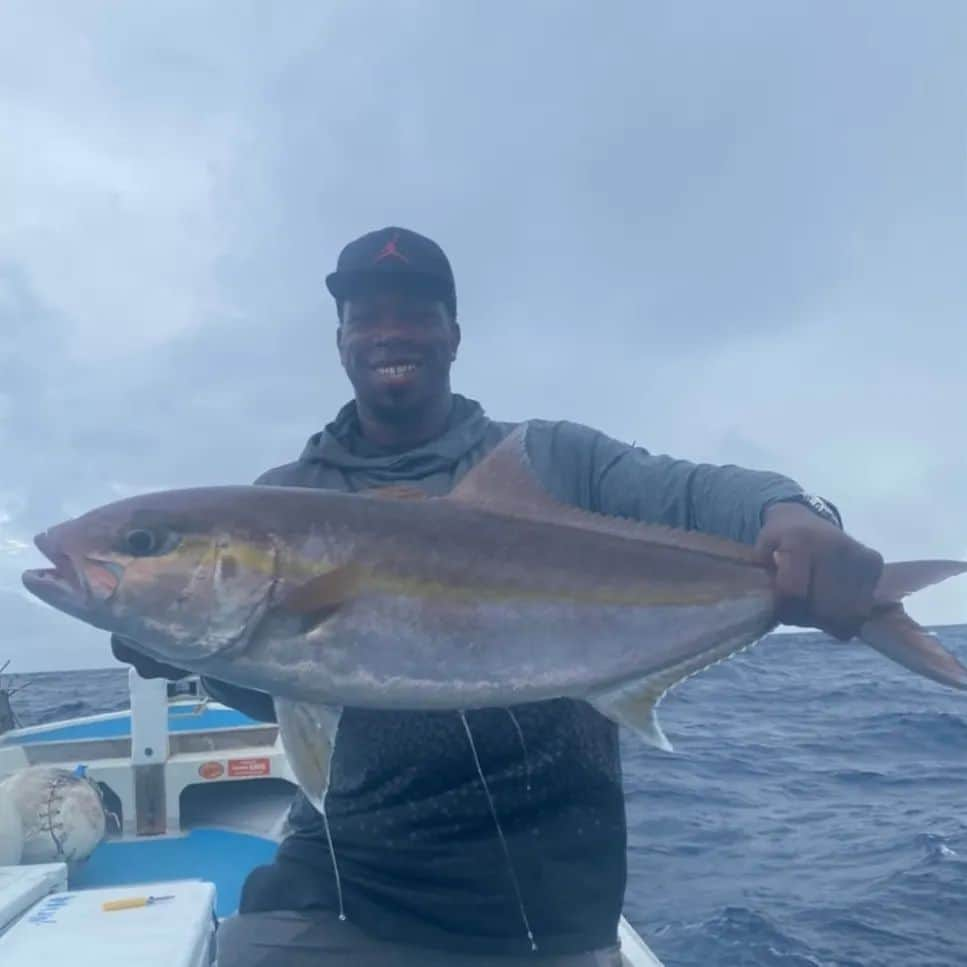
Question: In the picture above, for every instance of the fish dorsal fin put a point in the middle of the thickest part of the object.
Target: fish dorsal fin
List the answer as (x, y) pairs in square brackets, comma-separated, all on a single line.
[(504, 482), (395, 492)]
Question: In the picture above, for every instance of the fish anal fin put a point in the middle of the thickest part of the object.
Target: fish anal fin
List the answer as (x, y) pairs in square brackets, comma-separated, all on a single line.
[(324, 593), (635, 709), (308, 733), (634, 703)]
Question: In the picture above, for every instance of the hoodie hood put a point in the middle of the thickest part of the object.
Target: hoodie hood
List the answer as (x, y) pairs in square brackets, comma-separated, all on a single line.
[(341, 445)]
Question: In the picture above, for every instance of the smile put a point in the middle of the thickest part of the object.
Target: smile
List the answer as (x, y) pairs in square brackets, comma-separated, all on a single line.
[(397, 369)]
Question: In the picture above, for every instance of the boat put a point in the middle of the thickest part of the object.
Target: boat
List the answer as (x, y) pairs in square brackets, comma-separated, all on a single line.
[(195, 795)]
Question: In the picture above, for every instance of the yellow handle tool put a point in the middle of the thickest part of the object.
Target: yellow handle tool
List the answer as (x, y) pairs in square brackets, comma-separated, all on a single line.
[(131, 903)]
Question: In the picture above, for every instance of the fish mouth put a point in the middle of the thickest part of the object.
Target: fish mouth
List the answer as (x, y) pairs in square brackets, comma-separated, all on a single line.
[(62, 585)]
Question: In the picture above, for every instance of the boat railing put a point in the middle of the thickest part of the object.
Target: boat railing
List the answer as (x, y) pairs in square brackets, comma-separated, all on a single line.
[(178, 738)]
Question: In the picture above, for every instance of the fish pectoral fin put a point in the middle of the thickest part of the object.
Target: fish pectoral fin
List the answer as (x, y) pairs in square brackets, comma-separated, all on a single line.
[(308, 733), (635, 706), (324, 593)]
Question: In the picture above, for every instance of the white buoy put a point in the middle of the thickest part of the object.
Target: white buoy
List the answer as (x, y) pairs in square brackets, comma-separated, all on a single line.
[(11, 831), (61, 813)]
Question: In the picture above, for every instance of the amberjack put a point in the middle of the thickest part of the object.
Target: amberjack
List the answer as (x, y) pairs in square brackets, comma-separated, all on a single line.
[(494, 595)]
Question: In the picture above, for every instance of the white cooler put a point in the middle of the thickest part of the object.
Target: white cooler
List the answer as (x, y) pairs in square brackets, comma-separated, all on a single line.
[(73, 928), (22, 886)]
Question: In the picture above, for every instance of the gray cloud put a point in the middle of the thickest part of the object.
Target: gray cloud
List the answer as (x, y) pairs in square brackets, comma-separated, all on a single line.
[(730, 232)]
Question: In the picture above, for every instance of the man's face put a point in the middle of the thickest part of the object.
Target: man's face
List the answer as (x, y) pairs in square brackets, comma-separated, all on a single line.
[(396, 348)]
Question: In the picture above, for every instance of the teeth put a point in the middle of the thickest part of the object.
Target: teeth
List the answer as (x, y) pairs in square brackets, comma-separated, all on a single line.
[(396, 370)]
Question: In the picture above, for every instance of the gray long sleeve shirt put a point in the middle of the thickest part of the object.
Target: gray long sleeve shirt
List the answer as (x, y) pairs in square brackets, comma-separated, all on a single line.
[(419, 855)]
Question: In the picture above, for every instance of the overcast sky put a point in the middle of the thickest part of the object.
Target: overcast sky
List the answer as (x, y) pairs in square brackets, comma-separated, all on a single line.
[(733, 232)]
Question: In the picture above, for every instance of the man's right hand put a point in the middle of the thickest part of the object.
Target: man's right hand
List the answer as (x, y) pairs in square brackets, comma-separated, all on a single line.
[(146, 667)]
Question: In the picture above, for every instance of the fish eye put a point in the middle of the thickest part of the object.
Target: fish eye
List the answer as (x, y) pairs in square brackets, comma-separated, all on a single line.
[(147, 542)]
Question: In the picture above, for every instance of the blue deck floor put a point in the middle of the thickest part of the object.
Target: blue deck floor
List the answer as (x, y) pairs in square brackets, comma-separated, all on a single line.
[(219, 856)]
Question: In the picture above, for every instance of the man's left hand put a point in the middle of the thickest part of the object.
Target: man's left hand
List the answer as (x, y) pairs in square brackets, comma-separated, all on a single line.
[(824, 577)]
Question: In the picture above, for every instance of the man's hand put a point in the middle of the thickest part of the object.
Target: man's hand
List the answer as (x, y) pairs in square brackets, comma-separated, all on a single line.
[(825, 579), (146, 667)]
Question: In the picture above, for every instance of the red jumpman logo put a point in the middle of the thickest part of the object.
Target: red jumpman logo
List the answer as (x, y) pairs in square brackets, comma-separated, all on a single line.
[(390, 251)]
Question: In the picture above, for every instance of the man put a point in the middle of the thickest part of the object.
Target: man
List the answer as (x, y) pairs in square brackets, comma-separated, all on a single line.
[(422, 871)]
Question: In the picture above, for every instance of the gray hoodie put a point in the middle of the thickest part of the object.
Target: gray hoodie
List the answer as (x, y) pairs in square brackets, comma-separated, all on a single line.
[(419, 857)]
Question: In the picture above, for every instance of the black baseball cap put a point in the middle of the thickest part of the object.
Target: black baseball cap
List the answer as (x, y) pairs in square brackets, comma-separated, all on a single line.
[(394, 256)]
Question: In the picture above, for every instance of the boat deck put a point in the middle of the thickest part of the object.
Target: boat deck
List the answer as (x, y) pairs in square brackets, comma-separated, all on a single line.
[(220, 856), (223, 783)]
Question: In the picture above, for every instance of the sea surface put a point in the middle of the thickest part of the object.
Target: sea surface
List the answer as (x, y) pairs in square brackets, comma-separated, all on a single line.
[(814, 811)]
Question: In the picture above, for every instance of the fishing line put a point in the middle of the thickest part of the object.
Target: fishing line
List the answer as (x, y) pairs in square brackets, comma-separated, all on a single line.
[(325, 823), (523, 747), (500, 832)]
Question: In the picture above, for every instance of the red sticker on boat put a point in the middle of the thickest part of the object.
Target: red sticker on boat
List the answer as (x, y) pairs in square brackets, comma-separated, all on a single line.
[(249, 767), (211, 770)]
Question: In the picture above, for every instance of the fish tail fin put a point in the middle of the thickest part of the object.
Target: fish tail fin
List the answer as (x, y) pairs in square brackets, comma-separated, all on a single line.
[(892, 632), (895, 634), (899, 580)]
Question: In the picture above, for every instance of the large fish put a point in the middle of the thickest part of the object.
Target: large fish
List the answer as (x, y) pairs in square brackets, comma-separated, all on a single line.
[(491, 596)]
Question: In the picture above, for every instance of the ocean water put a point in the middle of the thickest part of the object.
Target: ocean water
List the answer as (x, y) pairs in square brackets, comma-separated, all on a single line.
[(814, 813)]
